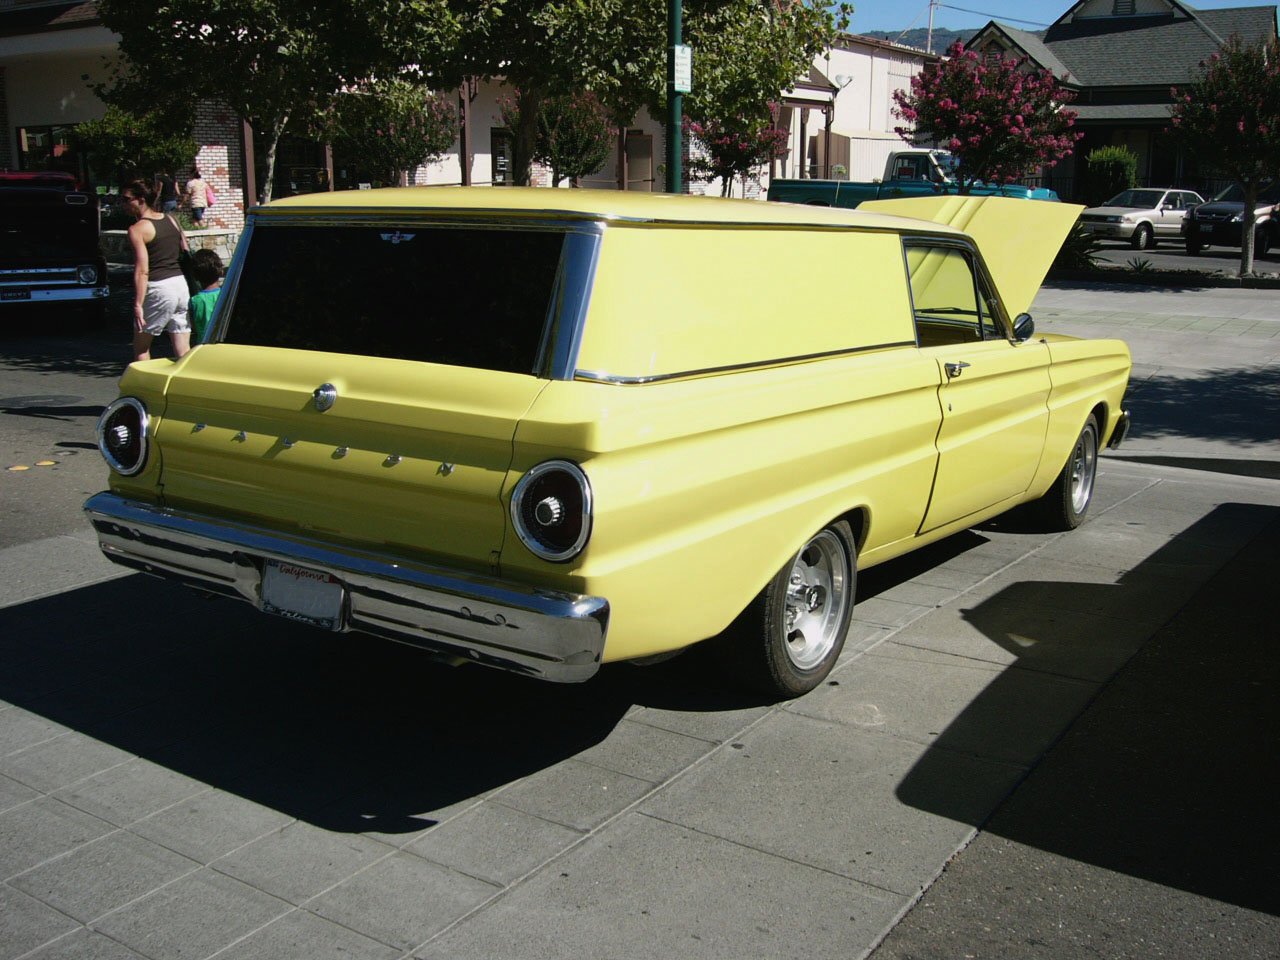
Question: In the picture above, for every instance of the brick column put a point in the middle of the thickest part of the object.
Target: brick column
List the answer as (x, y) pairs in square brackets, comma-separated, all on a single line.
[(221, 160)]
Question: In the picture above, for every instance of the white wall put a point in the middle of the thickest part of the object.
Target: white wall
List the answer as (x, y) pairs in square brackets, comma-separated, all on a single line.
[(44, 87)]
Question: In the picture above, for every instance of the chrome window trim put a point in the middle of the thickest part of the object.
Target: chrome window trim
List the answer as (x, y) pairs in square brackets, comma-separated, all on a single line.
[(566, 307), (987, 293)]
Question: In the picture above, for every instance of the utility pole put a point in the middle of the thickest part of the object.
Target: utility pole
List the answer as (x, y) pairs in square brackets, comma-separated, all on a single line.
[(928, 42), (679, 81)]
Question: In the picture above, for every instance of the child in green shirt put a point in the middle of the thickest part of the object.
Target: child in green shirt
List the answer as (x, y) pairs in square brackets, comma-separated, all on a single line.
[(207, 267)]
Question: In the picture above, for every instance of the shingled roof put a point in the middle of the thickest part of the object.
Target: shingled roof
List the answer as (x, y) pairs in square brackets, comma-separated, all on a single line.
[(1162, 49)]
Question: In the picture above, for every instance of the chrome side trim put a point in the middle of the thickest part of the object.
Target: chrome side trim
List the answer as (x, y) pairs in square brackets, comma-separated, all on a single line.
[(543, 633), (598, 376)]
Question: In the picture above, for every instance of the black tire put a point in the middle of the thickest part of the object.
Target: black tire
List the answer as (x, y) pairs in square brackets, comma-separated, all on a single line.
[(1064, 505), (1194, 248), (1261, 243), (1143, 238), (790, 636)]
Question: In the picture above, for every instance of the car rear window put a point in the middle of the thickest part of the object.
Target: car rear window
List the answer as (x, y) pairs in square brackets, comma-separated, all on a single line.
[(465, 297)]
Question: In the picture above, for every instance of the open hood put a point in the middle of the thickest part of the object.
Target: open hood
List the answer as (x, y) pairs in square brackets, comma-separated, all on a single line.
[(1018, 238)]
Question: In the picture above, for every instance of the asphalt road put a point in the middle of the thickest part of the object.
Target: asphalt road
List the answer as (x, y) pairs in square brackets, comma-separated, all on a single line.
[(1172, 255), (1035, 746)]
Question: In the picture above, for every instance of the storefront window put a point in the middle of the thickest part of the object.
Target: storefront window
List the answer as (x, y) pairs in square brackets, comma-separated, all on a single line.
[(49, 148)]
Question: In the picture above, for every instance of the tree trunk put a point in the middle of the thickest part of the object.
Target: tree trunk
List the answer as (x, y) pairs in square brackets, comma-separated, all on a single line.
[(525, 136), (1247, 221), (273, 143)]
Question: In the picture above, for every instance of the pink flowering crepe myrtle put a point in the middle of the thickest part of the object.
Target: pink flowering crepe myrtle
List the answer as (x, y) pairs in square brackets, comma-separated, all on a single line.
[(999, 117), (735, 147)]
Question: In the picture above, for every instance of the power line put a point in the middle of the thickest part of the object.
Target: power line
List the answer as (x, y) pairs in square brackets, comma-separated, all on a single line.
[(993, 16)]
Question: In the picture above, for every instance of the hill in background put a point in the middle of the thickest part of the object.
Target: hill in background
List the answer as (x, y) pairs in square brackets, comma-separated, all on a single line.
[(916, 37)]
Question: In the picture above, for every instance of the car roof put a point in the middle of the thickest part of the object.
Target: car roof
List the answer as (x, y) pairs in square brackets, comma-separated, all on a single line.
[(542, 202)]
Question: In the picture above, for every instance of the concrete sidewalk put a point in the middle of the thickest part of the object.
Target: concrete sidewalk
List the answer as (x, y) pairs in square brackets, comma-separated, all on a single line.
[(1149, 829), (190, 779)]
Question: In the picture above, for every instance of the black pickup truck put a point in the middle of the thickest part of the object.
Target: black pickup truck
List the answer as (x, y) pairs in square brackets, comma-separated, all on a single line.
[(49, 249)]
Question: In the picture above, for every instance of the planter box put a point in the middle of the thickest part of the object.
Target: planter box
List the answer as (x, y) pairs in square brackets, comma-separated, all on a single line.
[(115, 244)]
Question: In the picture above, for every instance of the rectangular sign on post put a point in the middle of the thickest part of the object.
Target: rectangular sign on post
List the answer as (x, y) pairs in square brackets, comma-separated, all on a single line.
[(682, 69)]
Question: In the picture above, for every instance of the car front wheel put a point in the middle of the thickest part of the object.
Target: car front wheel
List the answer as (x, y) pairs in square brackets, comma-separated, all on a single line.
[(1143, 238), (1065, 504), (790, 636)]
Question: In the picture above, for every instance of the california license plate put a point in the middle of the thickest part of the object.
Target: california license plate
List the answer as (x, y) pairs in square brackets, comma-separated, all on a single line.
[(309, 596), (1206, 228)]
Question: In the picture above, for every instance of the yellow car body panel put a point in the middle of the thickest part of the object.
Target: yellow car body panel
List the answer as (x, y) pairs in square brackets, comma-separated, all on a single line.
[(639, 328), (741, 375), (242, 436), (700, 486)]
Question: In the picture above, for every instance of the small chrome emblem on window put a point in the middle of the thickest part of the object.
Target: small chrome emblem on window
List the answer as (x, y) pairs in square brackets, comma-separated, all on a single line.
[(398, 237), (324, 396)]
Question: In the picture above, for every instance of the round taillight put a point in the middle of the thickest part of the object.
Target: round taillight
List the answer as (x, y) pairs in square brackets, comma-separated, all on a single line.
[(122, 435), (551, 510)]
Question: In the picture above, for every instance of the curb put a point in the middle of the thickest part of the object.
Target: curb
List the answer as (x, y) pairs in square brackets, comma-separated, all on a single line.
[(1157, 278)]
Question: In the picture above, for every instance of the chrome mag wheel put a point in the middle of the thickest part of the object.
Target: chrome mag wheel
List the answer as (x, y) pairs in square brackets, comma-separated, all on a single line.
[(816, 600), (1084, 467)]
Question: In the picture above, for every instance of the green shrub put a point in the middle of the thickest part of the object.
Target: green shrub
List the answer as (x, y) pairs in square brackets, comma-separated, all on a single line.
[(1079, 251), (1107, 171)]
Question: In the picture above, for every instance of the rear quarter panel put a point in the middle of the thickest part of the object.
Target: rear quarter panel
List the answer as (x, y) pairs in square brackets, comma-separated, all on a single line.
[(704, 488)]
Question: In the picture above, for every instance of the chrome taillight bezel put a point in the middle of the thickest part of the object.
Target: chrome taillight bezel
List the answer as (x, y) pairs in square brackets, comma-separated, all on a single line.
[(87, 273), (581, 512), (142, 426)]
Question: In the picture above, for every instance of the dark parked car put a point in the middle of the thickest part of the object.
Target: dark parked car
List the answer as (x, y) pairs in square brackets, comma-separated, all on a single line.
[(1218, 222)]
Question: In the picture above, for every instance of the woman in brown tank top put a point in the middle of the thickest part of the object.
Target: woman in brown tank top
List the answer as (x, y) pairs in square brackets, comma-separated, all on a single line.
[(160, 291)]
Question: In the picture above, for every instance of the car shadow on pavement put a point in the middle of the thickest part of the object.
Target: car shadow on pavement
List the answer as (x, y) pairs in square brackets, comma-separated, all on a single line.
[(1241, 405), (1168, 774), (348, 732)]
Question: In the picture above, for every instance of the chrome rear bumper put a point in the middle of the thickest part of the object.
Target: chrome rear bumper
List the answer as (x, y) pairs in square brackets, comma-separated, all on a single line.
[(543, 633)]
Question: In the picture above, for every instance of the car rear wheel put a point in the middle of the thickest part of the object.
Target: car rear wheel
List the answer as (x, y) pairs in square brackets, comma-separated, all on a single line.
[(1143, 237), (1194, 248), (1261, 243), (1064, 505), (790, 636)]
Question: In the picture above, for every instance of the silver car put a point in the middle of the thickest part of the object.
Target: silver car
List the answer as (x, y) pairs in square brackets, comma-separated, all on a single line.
[(1142, 215)]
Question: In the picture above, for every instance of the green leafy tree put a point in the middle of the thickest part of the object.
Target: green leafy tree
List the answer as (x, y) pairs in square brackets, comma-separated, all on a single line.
[(123, 146), (1229, 121), (735, 148), (745, 53), (575, 134), (275, 62), (392, 125), (1000, 118)]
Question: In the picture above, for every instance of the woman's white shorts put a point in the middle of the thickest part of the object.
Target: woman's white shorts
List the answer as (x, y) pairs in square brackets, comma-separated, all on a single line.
[(164, 307)]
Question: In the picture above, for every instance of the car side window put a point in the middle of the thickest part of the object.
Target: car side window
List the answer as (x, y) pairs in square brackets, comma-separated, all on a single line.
[(949, 301)]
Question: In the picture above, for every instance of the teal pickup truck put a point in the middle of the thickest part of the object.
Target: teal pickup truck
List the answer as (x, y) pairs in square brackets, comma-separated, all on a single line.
[(908, 173)]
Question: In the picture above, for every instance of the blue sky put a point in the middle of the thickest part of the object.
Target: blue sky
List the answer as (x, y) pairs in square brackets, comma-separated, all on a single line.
[(971, 14)]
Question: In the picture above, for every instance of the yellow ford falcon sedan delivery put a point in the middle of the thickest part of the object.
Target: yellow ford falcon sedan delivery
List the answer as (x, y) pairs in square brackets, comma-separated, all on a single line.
[(547, 429)]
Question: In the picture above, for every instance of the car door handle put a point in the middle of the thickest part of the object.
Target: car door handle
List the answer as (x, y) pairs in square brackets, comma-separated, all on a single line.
[(954, 369)]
